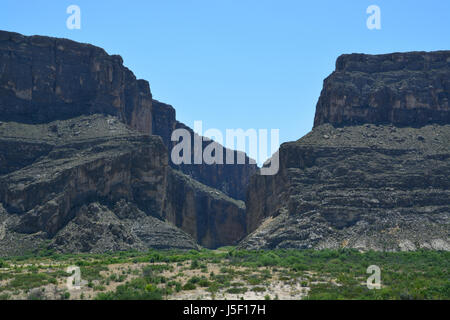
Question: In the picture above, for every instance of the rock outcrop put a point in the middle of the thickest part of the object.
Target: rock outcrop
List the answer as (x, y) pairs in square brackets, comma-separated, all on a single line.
[(382, 185), (93, 184), (44, 79), (232, 179), (84, 159), (405, 89), (210, 216)]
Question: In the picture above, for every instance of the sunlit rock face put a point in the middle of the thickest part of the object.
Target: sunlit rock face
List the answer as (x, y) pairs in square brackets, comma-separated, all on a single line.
[(373, 172), (409, 89)]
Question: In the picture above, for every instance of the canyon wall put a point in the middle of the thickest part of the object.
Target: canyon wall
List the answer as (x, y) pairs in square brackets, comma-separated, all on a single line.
[(44, 79), (85, 159), (373, 172), (408, 89)]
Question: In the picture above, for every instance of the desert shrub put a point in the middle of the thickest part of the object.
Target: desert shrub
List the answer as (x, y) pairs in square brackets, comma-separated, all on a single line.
[(189, 286), (3, 264), (237, 290), (194, 264), (204, 283), (30, 280), (92, 272), (5, 296), (36, 294), (99, 288), (137, 289)]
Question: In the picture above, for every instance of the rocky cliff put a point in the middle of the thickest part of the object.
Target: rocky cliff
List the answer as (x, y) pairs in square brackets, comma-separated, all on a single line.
[(405, 89), (44, 79), (91, 183), (84, 159), (373, 172), (232, 179), (91, 175)]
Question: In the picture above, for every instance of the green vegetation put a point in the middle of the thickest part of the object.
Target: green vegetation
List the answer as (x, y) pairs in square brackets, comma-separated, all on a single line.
[(311, 274), (137, 289), (31, 280)]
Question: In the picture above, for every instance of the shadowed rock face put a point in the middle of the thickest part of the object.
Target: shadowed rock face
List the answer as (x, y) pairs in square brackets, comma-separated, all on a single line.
[(380, 185), (405, 89), (44, 79), (365, 187), (76, 147), (211, 217), (232, 179), (83, 169)]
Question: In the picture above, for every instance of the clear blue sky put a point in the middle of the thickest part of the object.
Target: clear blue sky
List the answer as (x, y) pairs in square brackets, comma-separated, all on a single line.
[(238, 63)]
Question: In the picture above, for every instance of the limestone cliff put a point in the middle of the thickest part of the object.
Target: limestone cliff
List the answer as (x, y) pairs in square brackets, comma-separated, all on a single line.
[(405, 89), (44, 79), (232, 179), (373, 172), (91, 184), (84, 162)]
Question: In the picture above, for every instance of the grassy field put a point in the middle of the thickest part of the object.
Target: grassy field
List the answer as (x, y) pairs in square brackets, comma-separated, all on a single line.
[(227, 273)]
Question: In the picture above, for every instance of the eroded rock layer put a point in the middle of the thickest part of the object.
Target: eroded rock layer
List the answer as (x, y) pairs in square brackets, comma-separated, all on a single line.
[(373, 172), (408, 89), (93, 184), (231, 179), (81, 138), (43, 79)]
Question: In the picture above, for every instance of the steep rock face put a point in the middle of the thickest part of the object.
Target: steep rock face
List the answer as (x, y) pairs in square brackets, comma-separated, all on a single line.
[(67, 159), (365, 187), (382, 185), (232, 179), (210, 216), (90, 159), (406, 89), (92, 184), (44, 79)]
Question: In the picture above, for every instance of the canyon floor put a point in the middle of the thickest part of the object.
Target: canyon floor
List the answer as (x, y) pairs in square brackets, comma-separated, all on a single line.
[(226, 274)]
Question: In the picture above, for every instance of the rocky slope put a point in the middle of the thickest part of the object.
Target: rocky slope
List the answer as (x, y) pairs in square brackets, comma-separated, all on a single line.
[(79, 171), (90, 183), (381, 185), (84, 159), (44, 79)]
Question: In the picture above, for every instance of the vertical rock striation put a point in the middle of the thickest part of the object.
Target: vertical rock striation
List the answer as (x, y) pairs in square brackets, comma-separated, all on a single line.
[(373, 172), (44, 79), (232, 179), (408, 89), (81, 163)]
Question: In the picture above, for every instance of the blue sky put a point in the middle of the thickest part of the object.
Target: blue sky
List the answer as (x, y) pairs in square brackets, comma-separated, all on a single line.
[(238, 63)]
